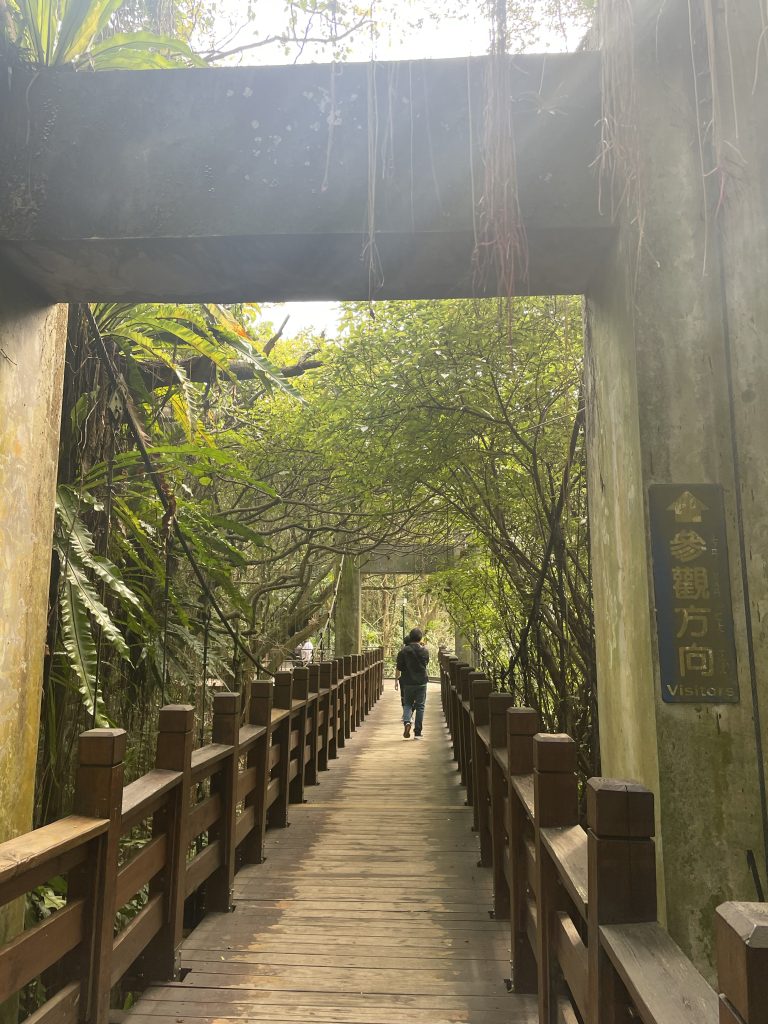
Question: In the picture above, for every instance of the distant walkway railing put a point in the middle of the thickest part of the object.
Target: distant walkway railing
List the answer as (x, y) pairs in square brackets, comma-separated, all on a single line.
[(582, 902), (201, 814)]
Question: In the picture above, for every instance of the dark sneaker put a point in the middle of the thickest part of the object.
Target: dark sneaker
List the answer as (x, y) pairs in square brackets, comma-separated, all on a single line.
[(407, 729), (417, 735)]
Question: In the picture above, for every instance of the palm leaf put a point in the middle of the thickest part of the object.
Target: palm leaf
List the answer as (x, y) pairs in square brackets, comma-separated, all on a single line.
[(36, 15), (110, 574), (80, 648), (136, 49), (81, 21), (85, 594)]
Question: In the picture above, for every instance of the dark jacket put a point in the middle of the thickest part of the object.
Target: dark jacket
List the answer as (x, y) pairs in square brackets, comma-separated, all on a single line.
[(411, 665)]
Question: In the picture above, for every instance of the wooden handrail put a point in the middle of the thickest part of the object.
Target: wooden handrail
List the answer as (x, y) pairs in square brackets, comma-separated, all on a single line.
[(286, 732), (582, 902), (144, 796), (25, 862)]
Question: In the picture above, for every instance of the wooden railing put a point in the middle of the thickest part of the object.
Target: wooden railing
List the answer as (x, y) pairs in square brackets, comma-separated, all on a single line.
[(201, 814), (582, 901)]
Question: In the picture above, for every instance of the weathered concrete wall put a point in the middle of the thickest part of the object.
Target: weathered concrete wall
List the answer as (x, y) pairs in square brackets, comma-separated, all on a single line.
[(659, 411), (32, 344), (262, 183), (742, 237), (387, 559), (348, 617)]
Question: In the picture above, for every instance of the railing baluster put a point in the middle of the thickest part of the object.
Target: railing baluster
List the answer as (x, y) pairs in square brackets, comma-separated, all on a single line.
[(479, 694), (349, 696), (175, 740), (259, 696), (299, 721), (622, 880), (340, 706), (453, 697), (498, 705), (98, 794), (226, 730), (323, 671), (741, 938), (522, 725), (303, 685), (556, 801), (277, 815)]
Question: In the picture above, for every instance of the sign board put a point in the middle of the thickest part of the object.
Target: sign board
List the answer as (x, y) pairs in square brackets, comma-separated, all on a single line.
[(694, 615)]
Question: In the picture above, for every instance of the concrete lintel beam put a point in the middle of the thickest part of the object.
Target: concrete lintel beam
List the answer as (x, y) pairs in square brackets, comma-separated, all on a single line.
[(254, 183)]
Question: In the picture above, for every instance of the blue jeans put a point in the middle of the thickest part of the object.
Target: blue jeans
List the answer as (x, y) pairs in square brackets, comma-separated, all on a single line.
[(413, 698)]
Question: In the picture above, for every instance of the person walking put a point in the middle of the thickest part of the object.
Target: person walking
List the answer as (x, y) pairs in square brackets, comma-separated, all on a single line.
[(411, 677)]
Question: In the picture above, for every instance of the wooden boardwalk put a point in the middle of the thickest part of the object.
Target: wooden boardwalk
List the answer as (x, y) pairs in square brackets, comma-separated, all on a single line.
[(369, 909)]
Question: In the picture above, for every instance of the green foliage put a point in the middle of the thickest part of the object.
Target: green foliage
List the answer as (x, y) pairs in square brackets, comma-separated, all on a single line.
[(77, 33), (460, 431), (82, 607)]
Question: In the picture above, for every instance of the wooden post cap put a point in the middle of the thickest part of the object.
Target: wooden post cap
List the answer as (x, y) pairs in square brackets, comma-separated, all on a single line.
[(522, 725), (102, 747), (226, 704), (283, 689), (481, 688), (176, 718), (619, 809), (522, 721), (499, 703), (554, 752), (497, 714), (741, 941), (262, 688)]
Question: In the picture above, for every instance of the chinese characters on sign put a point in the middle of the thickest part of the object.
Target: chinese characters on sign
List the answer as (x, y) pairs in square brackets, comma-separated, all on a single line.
[(694, 618)]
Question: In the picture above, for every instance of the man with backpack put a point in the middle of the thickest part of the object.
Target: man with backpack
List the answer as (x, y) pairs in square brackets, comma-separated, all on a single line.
[(411, 677)]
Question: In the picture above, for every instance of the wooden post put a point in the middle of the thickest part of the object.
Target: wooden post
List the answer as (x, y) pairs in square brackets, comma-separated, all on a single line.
[(341, 703), (458, 714), (277, 815), (556, 801), (465, 685), (522, 725), (622, 880), (313, 689), (445, 689), (322, 675), (259, 700), (368, 676), (349, 696), (175, 739), (465, 726), (363, 667), (357, 708), (452, 667), (741, 941), (356, 719), (98, 794), (299, 721), (357, 668), (480, 692), (303, 680), (219, 890), (330, 677), (498, 703)]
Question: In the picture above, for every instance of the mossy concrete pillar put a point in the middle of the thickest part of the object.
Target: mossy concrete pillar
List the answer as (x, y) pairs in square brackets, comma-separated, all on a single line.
[(462, 647), (32, 344), (677, 392), (348, 619)]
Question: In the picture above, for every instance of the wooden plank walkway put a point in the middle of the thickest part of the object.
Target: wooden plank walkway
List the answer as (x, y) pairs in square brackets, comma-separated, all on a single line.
[(369, 909)]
